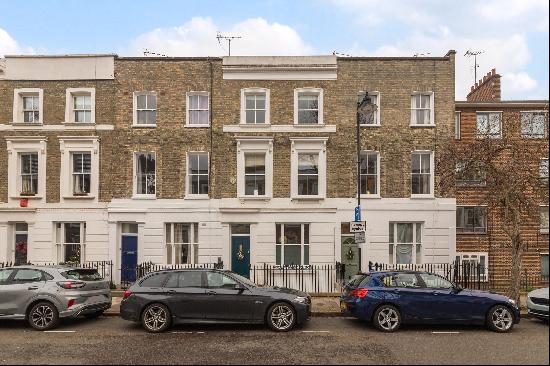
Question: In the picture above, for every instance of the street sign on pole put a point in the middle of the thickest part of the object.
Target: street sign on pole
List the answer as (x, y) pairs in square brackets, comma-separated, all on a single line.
[(358, 213), (357, 226), (360, 237)]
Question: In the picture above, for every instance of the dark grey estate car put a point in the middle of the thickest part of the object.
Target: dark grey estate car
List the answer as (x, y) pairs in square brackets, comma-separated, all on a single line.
[(167, 297), (44, 295)]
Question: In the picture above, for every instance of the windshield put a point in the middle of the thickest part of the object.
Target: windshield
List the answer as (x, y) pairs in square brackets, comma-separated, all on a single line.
[(82, 275), (243, 280)]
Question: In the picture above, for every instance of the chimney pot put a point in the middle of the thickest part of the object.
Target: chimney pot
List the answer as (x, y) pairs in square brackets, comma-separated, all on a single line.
[(472, 88), (485, 78), (493, 71)]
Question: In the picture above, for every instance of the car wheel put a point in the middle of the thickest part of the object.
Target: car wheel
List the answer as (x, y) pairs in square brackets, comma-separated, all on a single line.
[(281, 317), (387, 318), (500, 319), (156, 318), (94, 315), (43, 316)]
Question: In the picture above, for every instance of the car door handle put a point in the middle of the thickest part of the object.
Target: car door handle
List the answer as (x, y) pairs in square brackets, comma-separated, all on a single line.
[(211, 292), (171, 292), (33, 288), (435, 293)]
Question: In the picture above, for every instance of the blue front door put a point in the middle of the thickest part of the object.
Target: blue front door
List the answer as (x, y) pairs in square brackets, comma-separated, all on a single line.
[(129, 257), (240, 255)]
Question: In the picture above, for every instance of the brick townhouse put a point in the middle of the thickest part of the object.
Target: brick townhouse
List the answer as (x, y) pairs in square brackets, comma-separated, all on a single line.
[(480, 238), (248, 160)]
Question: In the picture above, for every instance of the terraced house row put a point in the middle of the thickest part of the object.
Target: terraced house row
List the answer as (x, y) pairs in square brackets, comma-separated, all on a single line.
[(245, 160)]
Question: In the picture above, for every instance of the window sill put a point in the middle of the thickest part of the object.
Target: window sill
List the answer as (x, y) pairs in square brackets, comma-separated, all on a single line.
[(254, 125), (78, 123), (309, 125), (423, 197), (27, 124), (307, 198), (371, 196), (144, 197), (196, 126), (197, 197), (144, 126), (254, 198), (470, 233), (87, 197), (423, 126), (27, 197)]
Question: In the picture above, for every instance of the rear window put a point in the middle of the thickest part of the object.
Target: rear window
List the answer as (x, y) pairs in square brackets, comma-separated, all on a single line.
[(356, 280), (82, 275), (156, 280)]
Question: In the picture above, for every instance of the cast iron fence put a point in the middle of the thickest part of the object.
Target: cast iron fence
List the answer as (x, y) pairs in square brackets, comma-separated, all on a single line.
[(104, 268), (128, 275), (310, 278)]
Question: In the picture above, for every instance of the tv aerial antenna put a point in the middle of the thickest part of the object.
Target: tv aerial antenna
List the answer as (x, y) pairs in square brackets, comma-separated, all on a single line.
[(221, 37), (474, 54), (148, 53)]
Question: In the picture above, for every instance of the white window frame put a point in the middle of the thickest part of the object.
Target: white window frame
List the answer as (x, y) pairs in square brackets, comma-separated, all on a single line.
[(319, 93), (458, 124), (474, 232), (474, 257), (18, 95), (545, 132), (302, 245), (187, 109), (193, 243), (135, 110), (14, 241), (247, 91), (254, 146), (432, 174), (431, 94), (135, 180), (543, 230), (17, 145), (71, 93), (59, 240), (488, 135), (70, 145), (304, 145), (377, 194), (417, 245), (377, 114), (188, 194)]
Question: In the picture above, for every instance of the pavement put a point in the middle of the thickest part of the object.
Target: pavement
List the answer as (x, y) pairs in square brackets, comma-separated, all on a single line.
[(111, 340)]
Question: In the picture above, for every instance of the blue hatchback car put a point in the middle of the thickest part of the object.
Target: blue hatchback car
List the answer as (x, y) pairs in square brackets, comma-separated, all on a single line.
[(389, 299)]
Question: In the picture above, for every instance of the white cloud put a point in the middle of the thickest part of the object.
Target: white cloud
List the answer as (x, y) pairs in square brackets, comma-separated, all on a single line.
[(9, 46), (197, 37), (500, 28)]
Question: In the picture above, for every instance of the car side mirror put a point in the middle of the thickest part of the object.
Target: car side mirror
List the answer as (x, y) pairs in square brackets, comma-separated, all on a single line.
[(457, 289), (239, 287)]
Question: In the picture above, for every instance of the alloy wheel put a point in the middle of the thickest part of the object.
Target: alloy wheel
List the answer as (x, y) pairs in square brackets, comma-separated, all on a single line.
[(502, 319), (388, 319), (155, 318), (42, 316), (282, 317)]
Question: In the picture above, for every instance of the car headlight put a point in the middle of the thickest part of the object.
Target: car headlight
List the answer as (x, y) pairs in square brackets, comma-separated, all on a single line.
[(301, 300)]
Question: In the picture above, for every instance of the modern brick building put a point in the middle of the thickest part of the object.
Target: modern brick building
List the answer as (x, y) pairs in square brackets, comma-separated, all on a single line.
[(480, 236), (248, 160)]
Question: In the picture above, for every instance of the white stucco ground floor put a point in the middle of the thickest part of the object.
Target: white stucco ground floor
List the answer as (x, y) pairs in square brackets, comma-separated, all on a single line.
[(278, 232)]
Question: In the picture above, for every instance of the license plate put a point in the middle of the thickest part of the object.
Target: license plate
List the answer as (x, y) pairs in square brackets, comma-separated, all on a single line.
[(343, 306)]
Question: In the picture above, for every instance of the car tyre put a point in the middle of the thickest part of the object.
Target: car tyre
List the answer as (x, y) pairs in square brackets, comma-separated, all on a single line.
[(156, 318), (281, 317), (387, 318), (43, 316), (500, 319)]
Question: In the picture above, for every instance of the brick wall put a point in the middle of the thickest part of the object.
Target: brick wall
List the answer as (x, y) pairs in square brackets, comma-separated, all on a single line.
[(486, 89)]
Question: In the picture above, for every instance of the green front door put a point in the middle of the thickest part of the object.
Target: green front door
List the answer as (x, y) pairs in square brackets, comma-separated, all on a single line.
[(351, 257)]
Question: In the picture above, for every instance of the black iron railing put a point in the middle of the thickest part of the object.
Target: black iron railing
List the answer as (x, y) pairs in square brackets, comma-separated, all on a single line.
[(310, 278), (128, 275)]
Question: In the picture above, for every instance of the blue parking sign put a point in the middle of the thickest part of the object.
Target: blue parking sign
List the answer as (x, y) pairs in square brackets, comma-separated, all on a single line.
[(358, 213)]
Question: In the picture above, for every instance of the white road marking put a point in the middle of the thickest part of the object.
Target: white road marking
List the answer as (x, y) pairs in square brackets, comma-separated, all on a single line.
[(445, 332), (187, 332), (315, 331), (60, 331)]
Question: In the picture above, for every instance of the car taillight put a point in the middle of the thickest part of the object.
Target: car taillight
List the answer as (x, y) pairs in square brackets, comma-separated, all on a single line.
[(360, 293), (127, 294), (71, 303), (69, 285)]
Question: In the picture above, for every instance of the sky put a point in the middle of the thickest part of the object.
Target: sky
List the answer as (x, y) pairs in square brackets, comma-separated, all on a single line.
[(512, 34)]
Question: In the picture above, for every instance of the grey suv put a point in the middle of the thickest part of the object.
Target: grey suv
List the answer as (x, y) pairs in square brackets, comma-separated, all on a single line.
[(44, 295)]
